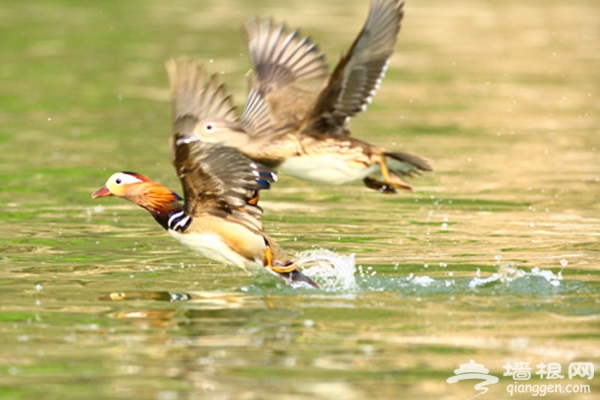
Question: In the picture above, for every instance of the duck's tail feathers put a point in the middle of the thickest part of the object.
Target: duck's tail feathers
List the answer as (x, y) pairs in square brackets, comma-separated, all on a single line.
[(406, 164), (398, 165)]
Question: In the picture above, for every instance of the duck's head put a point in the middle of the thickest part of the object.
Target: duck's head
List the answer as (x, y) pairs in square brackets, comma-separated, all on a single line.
[(139, 189), (157, 199), (120, 184), (221, 131)]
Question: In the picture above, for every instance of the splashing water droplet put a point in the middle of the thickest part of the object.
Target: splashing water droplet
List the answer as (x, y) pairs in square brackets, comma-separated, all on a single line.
[(332, 270)]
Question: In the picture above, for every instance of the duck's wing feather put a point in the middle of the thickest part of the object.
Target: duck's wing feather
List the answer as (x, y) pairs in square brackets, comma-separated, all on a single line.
[(255, 119), (194, 93), (284, 63), (218, 179), (358, 75), (280, 57)]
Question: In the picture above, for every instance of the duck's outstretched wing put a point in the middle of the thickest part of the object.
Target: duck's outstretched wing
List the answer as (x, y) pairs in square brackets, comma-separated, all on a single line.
[(195, 94), (283, 62), (357, 76), (256, 119), (280, 57), (218, 179), (198, 95)]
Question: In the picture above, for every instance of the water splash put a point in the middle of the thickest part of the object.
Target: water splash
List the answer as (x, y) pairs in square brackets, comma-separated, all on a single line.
[(508, 273), (338, 272), (423, 280), (507, 279), (333, 271)]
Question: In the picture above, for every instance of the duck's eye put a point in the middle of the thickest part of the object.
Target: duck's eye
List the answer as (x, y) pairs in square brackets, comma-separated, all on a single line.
[(209, 127), (118, 181)]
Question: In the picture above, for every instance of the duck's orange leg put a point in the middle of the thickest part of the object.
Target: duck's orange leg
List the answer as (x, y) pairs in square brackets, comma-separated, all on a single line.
[(270, 263), (391, 180)]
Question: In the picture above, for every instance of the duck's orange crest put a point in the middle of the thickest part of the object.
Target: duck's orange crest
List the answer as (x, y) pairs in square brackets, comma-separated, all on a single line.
[(154, 196)]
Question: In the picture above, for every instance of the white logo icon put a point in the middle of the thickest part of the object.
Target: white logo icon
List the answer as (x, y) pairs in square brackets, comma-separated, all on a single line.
[(473, 370)]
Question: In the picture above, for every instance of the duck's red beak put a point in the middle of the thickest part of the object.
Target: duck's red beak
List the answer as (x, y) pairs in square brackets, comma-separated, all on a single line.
[(101, 193)]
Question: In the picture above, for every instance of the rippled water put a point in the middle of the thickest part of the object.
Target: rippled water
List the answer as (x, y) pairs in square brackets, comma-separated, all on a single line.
[(494, 258)]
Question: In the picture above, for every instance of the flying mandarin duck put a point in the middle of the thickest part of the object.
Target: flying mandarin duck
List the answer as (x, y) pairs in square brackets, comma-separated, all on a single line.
[(219, 217), (308, 135)]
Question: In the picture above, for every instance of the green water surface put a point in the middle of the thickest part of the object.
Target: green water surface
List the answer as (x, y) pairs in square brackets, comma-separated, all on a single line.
[(96, 301)]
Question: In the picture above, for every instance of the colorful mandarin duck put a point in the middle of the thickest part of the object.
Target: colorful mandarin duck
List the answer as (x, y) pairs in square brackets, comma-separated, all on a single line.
[(309, 136), (220, 217)]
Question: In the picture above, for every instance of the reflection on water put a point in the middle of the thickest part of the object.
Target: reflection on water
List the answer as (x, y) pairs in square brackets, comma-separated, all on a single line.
[(494, 258)]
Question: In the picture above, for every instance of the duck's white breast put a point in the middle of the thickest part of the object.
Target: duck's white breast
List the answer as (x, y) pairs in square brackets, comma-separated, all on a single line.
[(326, 168), (211, 246)]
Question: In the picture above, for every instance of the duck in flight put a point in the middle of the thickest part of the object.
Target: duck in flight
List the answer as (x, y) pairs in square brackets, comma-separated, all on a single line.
[(219, 216), (308, 135)]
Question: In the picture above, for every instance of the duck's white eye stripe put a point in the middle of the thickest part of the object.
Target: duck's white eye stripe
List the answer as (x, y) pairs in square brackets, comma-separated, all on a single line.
[(120, 178)]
